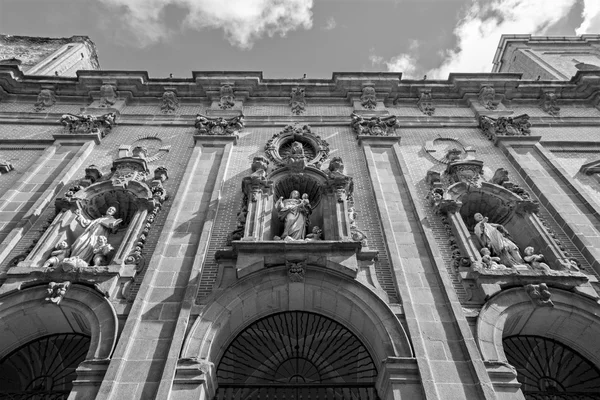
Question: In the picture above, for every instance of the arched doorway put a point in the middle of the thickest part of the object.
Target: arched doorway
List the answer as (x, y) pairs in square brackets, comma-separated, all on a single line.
[(43, 368), (548, 369), (294, 355)]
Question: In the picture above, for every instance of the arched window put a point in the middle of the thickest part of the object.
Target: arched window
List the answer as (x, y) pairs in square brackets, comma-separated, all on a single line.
[(296, 354), (548, 369), (43, 368)]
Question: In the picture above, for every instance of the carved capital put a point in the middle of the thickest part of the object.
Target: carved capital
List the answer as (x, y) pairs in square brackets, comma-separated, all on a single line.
[(219, 125), (86, 123), (505, 126), (374, 126)]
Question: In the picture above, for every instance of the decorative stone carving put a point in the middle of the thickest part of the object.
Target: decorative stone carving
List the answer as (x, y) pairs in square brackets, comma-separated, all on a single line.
[(487, 98), (535, 260), (45, 99), (341, 184), (92, 175), (294, 213), (84, 246), (369, 98), (298, 147), (425, 102), (296, 271), (316, 234), (490, 262), (56, 291), (227, 96), (108, 95), (169, 102), (468, 171), (297, 101), (219, 125), (86, 123), (446, 150), (374, 126), (60, 252), (505, 126), (549, 104), (496, 238), (539, 294), (5, 167), (356, 234)]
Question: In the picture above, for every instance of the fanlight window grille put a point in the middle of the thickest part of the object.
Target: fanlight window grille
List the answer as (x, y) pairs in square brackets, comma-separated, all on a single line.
[(549, 370), (43, 369), (296, 355)]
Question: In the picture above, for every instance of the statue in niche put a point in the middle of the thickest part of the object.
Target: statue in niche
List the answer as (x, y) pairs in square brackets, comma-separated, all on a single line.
[(83, 247), (294, 213), (60, 252), (101, 251), (495, 238), (490, 262), (535, 260)]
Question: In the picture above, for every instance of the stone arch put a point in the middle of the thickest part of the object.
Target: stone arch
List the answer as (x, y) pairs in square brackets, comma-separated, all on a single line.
[(330, 294), (25, 315), (573, 320)]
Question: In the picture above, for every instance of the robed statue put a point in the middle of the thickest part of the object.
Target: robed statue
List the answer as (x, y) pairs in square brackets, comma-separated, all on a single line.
[(83, 247), (294, 212), (495, 238)]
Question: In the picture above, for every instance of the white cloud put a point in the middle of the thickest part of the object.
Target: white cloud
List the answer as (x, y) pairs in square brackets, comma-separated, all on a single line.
[(405, 63), (330, 24), (591, 18), (243, 21), (478, 32)]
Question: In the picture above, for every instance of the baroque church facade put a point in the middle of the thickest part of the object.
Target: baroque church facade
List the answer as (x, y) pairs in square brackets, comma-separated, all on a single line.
[(228, 236)]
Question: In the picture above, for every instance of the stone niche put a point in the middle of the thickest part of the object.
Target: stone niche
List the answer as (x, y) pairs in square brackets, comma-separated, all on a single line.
[(498, 215), (296, 212), (100, 228)]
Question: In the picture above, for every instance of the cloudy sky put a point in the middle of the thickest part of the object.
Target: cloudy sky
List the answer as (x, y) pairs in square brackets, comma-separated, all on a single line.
[(289, 38)]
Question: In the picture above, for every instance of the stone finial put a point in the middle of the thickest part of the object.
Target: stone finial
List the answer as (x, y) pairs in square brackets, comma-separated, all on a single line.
[(219, 125), (169, 102), (539, 295), (374, 126), (487, 97), (297, 101), (108, 95), (45, 99), (369, 98), (56, 291), (549, 104), (227, 96), (425, 103)]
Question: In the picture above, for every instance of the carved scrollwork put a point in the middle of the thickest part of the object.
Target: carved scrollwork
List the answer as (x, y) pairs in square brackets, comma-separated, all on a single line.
[(297, 147), (368, 99), (374, 126), (45, 99), (505, 126), (86, 123), (297, 101), (219, 125)]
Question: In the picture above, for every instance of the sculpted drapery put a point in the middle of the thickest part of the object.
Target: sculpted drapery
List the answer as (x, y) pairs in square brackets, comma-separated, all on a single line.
[(294, 213), (492, 236), (83, 247)]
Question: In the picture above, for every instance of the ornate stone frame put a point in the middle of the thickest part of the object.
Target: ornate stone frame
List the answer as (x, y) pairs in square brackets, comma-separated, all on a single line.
[(301, 134)]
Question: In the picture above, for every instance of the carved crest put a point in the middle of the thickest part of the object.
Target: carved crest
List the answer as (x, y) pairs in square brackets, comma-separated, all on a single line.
[(296, 271), (425, 103), (468, 171), (549, 103), (56, 291), (86, 123), (487, 98), (45, 99), (108, 95), (227, 97), (297, 147), (297, 101), (219, 125), (369, 98), (505, 126), (169, 102), (374, 126)]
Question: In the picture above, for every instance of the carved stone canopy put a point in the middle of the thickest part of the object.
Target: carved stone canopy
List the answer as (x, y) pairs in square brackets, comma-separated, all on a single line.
[(297, 145), (219, 125)]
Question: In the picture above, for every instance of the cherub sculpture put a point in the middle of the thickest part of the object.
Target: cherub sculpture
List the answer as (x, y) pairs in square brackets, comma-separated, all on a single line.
[(101, 251), (317, 234), (490, 262), (60, 252), (535, 260)]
